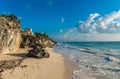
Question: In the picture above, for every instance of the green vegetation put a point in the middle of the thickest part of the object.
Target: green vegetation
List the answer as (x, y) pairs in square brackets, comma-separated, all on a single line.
[(3, 15), (14, 18), (41, 36), (11, 17)]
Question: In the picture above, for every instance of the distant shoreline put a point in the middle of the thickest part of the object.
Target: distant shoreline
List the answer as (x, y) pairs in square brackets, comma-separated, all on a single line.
[(87, 41)]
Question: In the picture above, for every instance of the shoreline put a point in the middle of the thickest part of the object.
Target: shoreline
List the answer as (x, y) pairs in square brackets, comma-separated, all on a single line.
[(56, 66), (70, 67)]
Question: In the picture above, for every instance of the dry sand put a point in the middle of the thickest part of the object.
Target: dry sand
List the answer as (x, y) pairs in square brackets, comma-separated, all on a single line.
[(55, 67)]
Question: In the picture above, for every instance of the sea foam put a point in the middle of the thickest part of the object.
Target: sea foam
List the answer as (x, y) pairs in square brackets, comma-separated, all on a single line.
[(95, 62)]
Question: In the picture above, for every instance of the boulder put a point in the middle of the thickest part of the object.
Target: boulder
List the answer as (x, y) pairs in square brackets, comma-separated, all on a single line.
[(38, 52)]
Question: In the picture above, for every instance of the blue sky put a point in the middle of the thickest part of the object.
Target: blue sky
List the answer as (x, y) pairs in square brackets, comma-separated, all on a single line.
[(58, 17)]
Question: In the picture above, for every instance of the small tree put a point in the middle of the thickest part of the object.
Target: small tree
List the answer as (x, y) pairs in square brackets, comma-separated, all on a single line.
[(14, 18), (3, 15)]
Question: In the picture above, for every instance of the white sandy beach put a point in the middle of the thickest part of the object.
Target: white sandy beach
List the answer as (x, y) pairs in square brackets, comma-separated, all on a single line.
[(55, 67)]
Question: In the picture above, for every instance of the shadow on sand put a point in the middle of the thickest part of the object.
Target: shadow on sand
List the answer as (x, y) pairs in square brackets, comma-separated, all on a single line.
[(19, 54)]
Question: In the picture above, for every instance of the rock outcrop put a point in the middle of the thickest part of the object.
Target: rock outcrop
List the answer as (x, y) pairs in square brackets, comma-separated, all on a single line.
[(36, 42), (38, 52), (10, 36), (44, 39), (29, 39)]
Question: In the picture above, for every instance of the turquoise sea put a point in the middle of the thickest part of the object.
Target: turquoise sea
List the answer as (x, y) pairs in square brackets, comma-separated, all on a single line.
[(96, 60)]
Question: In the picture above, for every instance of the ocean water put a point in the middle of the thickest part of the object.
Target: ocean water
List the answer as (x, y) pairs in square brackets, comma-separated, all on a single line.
[(96, 60)]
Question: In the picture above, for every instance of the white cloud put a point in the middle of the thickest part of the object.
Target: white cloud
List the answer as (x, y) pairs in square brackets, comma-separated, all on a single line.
[(95, 28), (88, 37), (61, 30), (111, 17), (62, 20), (94, 23), (91, 19), (20, 17)]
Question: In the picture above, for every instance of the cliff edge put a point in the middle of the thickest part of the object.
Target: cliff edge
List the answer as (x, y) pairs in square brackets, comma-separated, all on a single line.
[(10, 36)]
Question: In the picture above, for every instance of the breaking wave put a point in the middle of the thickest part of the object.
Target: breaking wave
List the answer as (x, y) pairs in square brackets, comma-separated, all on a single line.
[(95, 62)]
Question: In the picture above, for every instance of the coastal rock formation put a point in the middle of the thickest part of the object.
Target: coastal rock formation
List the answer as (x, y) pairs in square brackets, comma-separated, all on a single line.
[(29, 39), (36, 42), (38, 52), (44, 39), (10, 36)]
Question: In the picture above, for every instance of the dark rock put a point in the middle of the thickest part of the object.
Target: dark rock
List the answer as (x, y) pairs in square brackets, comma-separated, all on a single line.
[(38, 52), (8, 64), (46, 55), (1, 70), (29, 38), (36, 42)]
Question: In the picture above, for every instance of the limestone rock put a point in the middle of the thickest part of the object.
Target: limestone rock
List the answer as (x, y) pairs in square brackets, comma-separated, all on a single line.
[(28, 31), (10, 36), (29, 38), (44, 39)]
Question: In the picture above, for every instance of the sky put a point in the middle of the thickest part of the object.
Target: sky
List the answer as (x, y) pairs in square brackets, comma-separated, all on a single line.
[(68, 20)]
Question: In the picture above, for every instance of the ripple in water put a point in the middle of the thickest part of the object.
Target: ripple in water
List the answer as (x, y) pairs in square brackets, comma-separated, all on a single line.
[(95, 62)]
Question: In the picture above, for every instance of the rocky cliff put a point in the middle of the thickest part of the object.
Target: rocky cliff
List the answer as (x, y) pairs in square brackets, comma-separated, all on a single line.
[(36, 42), (29, 39), (10, 36)]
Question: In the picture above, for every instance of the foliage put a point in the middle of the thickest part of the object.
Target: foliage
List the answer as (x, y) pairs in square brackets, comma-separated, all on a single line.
[(41, 36), (3, 15), (12, 17)]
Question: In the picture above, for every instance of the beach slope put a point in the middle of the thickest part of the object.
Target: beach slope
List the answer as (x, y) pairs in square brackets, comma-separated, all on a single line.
[(32, 68)]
